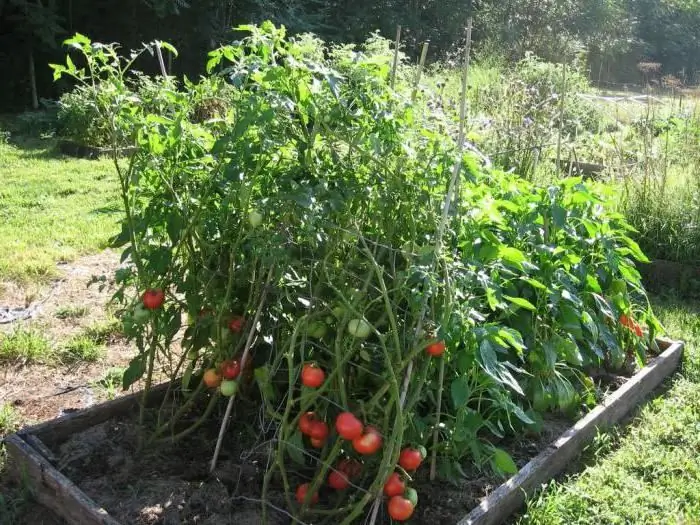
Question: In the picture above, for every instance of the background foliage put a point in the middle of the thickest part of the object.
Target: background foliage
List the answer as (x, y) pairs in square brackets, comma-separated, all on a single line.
[(616, 34)]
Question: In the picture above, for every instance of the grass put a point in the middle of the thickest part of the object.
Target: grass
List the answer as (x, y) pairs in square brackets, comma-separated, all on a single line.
[(71, 312), (24, 344), (82, 348), (52, 209), (650, 471), (9, 419)]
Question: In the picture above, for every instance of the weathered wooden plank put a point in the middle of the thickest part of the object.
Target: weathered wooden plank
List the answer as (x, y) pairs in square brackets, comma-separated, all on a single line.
[(51, 488), (510, 496), (62, 428)]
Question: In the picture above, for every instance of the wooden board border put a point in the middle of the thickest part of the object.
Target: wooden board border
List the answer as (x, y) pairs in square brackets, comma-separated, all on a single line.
[(511, 495)]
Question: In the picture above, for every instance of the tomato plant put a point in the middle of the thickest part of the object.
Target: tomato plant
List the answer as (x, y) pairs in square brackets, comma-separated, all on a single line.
[(321, 206)]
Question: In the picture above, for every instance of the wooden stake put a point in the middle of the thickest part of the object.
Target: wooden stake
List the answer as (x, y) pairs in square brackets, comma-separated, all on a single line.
[(561, 116), (159, 54), (421, 64), (396, 56)]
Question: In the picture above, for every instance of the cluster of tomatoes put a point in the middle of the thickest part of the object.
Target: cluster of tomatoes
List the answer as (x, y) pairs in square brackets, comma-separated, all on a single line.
[(366, 440)]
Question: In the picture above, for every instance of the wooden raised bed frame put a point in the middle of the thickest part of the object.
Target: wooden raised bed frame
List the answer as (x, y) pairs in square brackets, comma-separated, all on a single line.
[(33, 463)]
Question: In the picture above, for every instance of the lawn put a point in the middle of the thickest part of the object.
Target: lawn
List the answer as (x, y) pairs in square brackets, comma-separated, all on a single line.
[(648, 472), (52, 209)]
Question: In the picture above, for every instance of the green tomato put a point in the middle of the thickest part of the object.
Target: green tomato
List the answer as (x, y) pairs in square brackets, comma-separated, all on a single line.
[(141, 314), (192, 355), (338, 312), (317, 330), (228, 388), (359, 328), (255, 218)]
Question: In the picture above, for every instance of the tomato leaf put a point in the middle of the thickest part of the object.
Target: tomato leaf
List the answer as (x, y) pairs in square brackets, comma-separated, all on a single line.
[(460, 391), (295, 448), (502, 462), (135, 371)]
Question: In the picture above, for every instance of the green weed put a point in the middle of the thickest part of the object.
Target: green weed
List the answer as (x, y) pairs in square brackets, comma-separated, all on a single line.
[(26, 345), (9, 419), (82, 348)]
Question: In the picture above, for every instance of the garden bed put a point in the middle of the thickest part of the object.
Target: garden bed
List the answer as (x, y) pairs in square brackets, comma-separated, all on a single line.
[(82, 464)]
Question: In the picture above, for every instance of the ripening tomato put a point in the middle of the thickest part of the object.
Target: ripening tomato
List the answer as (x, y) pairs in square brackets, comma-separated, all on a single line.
[(312, 376), (305, 422), (436, 349), (338, 480), (368, 443), (301, 494), (153, 298), (410, 458), (394, 485), (317, 443), (236, 324), (400, 508), (348, 426), (212, 378), (318, 430), (230, 369)]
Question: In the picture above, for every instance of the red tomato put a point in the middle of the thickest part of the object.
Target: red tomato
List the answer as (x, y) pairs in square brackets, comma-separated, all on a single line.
[(348, 426), (350, 467), (338, 480), (153, 298), (212, 378), (400, 508), (368, 443), (410, 458), (230, 369), (236, 324), (301, 494), (305, 422), (318, 430), (312, 376), (436, 349), (394, 485), (318, 443), (626, 321)]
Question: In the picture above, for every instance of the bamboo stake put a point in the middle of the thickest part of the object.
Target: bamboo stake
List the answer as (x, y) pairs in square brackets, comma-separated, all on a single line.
[(451, 195), (419, 73), (396, 56), (244, 360)]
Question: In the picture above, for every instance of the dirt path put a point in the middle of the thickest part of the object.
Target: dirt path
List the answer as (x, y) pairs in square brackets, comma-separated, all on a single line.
[(45, 391)]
